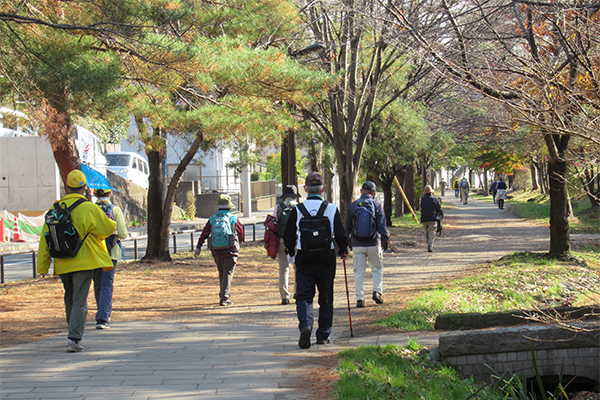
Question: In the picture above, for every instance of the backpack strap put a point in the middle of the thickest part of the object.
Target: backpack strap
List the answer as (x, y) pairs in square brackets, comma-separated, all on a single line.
[(72, 206), (322, 209), (303, 210)]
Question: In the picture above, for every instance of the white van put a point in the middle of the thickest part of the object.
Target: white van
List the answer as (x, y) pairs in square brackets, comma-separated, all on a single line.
[(130, 166), (90, 149)]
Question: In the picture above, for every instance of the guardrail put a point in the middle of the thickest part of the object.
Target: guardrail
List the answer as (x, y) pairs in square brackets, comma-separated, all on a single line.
[(130, 239)]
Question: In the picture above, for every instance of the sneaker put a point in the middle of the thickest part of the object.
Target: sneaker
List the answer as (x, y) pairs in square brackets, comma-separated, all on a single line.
[(360, 304), (74, 347), (225, 302), (323, 341), (102, 325), (377, 297), (285, 301), (304, 341)]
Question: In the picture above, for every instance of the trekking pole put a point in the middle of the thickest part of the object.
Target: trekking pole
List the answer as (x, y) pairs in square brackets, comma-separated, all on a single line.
[(348, 298)]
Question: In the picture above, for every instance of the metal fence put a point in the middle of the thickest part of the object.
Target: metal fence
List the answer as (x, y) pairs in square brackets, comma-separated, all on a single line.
[(135, 240)]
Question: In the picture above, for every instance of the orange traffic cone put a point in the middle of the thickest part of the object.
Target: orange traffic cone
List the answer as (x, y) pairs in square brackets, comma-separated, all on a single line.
[(16, 232), (2, 238)]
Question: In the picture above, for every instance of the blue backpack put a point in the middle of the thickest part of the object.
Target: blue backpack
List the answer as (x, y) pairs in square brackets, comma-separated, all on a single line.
[(364, 223), (222, 235), (113, 239)]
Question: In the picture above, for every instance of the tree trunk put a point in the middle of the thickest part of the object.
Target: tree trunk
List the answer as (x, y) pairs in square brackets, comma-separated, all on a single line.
[(387, 200), (158, 245), (284, 163), (160, 241), (292, 173), (560, 243), (409, 188), (534, 177), (59, 131)]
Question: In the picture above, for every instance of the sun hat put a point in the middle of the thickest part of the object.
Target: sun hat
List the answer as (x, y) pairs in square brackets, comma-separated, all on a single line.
[(101, 192), (427, 189), (224, 201), (290, 191), (76, 179), (314, 179), (370, 186)]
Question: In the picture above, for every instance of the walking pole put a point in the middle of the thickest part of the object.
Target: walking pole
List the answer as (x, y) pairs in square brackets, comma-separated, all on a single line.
[(348, 298)]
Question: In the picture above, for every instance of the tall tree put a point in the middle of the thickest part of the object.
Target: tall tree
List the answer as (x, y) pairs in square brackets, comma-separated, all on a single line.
[(538, 59)]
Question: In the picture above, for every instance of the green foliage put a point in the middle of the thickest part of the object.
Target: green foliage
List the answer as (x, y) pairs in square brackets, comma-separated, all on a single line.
[(260, 176), (521, 281), (394, 372), (274, 165)]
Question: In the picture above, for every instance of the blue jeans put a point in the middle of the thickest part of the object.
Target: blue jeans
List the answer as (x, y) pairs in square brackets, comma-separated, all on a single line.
[(103, 292)]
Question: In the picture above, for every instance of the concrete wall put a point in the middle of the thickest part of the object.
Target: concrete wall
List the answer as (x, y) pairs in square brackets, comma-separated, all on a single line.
[(483, 353), (29, 178)]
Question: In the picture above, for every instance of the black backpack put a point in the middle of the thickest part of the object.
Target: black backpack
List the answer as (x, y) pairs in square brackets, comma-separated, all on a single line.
[(315, 233), (62, 237), (113, 239)]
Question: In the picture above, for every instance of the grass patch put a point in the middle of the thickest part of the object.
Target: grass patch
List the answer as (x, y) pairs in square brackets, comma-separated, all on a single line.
[(518, 281), (395, 372)]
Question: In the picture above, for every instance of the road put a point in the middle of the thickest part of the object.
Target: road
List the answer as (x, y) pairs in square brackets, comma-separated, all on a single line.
[(20, 266)]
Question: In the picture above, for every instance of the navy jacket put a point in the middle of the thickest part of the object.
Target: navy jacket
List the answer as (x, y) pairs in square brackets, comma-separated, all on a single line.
[(430, 208), (380, 220)]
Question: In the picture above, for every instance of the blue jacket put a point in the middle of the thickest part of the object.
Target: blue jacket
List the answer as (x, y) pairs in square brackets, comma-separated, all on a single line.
[(380, 220), (430, 208)]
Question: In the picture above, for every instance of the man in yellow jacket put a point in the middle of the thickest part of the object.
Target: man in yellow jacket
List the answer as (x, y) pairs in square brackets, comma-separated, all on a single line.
[(93, 226)]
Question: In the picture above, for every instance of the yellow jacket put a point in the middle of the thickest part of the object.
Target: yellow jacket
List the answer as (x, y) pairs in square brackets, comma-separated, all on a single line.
[(87, 218), (122, 231)]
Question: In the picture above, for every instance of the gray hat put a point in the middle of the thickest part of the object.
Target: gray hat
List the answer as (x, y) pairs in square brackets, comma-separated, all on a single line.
[(290, 191), (370, 186)]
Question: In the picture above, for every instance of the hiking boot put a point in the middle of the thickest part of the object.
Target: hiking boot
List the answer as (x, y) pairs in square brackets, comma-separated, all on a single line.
[(74, 347), (323, 341), (430, 249), (377, 297), (225, 302), (360, 304), (304, 341), (100, 324), (285, 301)]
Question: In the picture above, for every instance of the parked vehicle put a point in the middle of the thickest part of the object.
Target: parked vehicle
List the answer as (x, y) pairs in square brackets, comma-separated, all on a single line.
[(90, 149), (130, 166)]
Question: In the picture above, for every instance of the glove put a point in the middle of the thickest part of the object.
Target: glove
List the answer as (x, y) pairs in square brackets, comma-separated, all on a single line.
[(291, 259), (197, 252), (385, 245)]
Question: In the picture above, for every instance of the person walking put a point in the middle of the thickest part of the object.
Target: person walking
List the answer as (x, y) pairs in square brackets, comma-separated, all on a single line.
[(312, 227), (443, 187), (464, 190), (104, 278), (501, 193), (92, 226), (431, 212), (494, 189), (224, 232), (368, 236), (455, 187), (287, 201)]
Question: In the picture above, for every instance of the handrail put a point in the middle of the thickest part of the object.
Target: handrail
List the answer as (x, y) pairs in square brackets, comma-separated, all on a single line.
[(174, 234)]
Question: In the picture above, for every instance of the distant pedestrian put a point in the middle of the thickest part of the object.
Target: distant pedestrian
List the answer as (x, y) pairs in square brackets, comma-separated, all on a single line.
[(464, 190), (443, 187), (76, 271), (312, 228), (501, 193), (368, 235), (283, 208), (494, 189), (431, 212), (104, 278), (456, 187), (224, 232)]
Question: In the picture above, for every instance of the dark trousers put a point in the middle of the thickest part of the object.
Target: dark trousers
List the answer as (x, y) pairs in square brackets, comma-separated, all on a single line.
[(308, 276), (226, 267), (77, 286)]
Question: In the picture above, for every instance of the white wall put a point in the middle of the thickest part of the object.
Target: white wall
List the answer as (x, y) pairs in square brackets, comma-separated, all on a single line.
[(29, 177)]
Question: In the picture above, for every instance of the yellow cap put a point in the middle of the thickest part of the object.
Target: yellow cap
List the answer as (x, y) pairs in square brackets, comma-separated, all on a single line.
[(76, 179)]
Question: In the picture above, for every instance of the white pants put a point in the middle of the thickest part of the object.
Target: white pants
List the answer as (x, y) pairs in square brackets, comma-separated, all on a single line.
[(284, 273), (373, 256)]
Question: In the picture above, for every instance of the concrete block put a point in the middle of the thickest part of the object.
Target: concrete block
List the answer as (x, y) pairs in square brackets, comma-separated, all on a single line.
[(502, 357), (511, 356)]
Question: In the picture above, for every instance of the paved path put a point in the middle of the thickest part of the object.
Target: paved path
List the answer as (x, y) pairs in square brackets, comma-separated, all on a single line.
[(150, 360)]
